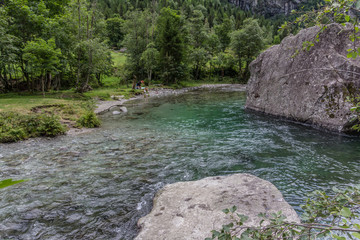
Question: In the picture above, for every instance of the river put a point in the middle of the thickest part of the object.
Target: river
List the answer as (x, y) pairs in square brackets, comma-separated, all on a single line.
[(97, 185)]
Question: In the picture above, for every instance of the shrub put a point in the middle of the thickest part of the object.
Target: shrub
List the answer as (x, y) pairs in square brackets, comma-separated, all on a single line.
[(13, 135), (15, 127), (89, 120), (50, 126), (325, 216)]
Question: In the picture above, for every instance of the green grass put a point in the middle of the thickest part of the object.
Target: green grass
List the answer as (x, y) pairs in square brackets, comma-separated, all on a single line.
[(101, 93), (110, 82), (23, 103), (118, 58)]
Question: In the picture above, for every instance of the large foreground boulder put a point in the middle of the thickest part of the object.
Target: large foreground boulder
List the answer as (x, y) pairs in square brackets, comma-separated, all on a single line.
[(307, 86), (190, 210)]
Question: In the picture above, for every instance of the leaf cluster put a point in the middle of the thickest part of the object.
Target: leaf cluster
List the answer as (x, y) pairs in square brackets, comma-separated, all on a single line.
[(15, 127), (324, 216)]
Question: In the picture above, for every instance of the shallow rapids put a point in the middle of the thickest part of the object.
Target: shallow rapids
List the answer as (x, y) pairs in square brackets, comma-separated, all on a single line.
[(97, 185)]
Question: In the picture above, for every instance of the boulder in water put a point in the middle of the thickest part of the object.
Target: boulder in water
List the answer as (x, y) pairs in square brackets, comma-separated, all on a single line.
[(124, 109), (190, 210), (307, 86), (116, 112)]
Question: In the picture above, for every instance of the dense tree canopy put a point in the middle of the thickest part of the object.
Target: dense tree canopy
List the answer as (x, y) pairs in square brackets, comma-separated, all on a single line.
[(57, 44)]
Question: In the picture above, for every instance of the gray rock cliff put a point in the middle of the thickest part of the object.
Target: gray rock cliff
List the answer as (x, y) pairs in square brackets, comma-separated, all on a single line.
[(190, 210), (268, 8), (310, 87)]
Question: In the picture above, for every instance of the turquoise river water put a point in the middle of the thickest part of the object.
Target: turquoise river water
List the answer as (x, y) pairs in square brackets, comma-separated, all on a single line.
[(97, 185)]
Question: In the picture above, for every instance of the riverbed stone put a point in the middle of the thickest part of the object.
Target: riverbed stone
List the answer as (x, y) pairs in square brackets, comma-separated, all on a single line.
[(308, 86), (190, 210), (116, 112), (124, 109)]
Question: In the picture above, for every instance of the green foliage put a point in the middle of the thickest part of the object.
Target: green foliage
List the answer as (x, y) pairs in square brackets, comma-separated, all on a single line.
[(324, 216), (139, 33), (15, 127), (62, 44), (115, 31), (356, 110), (53, 44), (149, 59), (42, 55), (223, 30), (49, 126), (88, 120), (276, 39), (170, 40), (247, 44), (8, 182)]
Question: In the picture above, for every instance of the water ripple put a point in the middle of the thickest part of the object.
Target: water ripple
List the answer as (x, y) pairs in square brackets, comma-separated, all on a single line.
[(97, 186)]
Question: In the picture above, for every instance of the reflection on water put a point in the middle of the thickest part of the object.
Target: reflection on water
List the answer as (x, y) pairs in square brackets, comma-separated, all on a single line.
[(96, 186)]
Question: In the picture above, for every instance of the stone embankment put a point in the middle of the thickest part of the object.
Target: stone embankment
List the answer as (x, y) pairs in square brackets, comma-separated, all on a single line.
[(309, 86), (190, 210)]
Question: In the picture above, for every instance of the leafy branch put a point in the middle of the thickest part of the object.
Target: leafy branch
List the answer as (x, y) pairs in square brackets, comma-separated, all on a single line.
[(324, 215)]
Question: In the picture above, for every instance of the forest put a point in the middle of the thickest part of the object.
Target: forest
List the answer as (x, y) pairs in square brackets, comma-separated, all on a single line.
[(67, 44), (63, 60)]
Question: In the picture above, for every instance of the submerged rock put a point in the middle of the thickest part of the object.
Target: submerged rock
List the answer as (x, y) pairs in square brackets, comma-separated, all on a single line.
[(116, 112), (190, 210), (307, 86), (124, 109)]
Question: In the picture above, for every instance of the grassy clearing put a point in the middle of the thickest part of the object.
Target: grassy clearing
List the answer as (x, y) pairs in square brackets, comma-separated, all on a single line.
[(23, 103), (23, 116), (118, 58), (110, 82)]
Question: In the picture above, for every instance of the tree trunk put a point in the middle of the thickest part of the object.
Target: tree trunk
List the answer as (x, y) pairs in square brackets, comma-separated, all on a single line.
[(26, 75), (98, 77), (58, 85), (10, 80), (150, 75), (49, 80), (79, 39), (5, 81), (246, 71), (197, 72), (89, 32), (210, 71), (240, 69), (42, 85), (134, 82)]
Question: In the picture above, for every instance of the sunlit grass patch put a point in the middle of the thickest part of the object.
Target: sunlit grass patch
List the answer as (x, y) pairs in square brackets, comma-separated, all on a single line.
[(118, 58)]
